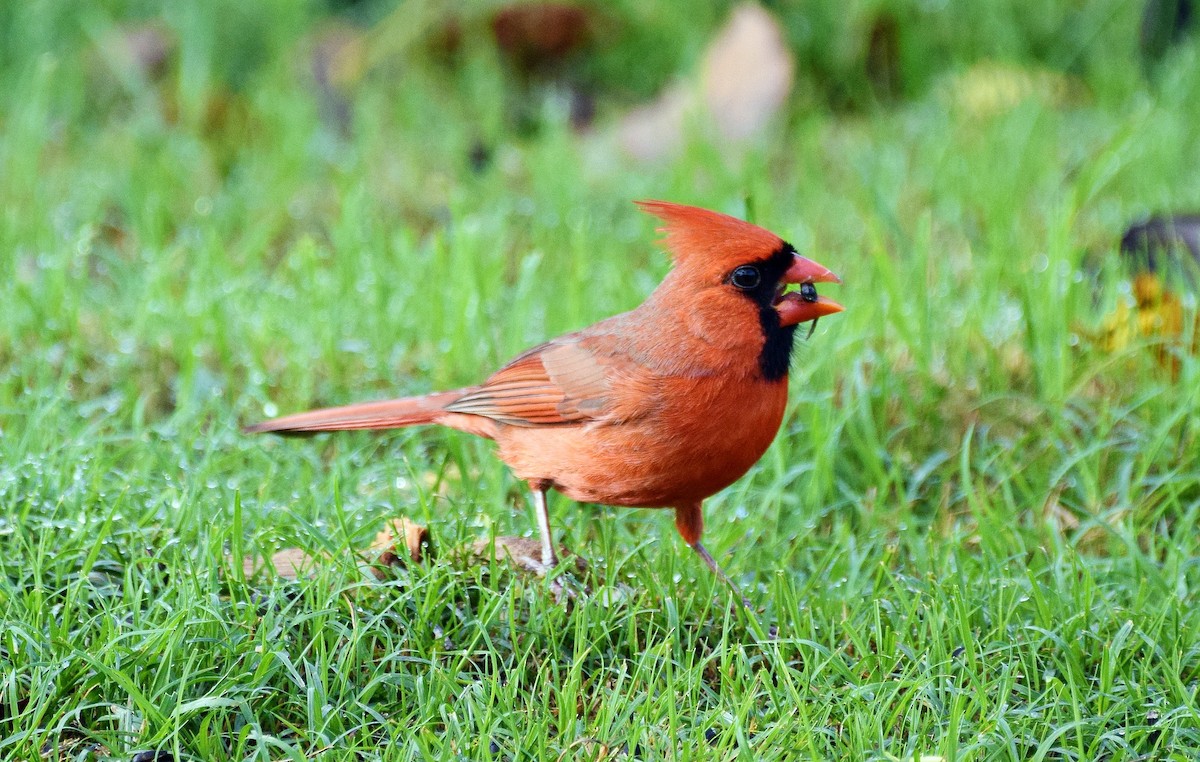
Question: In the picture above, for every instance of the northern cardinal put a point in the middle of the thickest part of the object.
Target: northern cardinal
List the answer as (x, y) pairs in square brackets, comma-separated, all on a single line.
[(659, 407)]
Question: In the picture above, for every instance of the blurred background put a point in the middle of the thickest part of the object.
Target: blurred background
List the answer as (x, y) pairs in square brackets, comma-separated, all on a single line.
[(219, 211), (213, 212)]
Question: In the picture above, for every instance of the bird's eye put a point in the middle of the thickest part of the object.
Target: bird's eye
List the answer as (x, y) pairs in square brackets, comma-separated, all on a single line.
[(808, 292), (745, 277)]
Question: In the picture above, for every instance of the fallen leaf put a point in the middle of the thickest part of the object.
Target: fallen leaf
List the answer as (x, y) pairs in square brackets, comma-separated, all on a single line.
[(288, 563), (525, 552), (745, 77), (990, 88), (540, 35), (747, 73), (401, 539), (522, 552)]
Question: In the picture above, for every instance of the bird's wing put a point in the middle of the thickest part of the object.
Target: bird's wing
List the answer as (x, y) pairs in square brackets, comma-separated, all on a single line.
[(566, 381)]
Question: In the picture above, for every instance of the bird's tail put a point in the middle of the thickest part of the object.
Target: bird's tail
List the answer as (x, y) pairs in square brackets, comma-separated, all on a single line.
[(387, 414)]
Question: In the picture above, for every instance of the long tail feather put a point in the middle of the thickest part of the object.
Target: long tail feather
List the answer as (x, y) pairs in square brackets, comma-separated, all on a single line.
[(387, 414)]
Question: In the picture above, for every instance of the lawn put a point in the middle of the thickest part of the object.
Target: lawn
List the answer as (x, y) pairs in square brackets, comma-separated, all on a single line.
[(974, 537)]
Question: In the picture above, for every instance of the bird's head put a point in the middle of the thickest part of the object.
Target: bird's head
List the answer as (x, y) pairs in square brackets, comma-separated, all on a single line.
[(725, 266), (718, 251)]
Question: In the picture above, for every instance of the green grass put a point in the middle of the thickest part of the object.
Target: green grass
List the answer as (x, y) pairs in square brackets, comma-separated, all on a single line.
[(974, 537)]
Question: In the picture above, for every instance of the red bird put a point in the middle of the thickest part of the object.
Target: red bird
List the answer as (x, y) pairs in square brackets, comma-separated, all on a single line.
[(659, 407)]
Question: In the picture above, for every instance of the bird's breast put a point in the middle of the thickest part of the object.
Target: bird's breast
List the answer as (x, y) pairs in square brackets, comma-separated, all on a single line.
[(702, 433)]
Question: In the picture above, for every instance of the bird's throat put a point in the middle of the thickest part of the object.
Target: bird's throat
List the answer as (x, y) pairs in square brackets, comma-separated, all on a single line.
[(775, 358)]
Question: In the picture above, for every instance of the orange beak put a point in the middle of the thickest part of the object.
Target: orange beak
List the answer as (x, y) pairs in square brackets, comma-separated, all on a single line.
[(804, 305)]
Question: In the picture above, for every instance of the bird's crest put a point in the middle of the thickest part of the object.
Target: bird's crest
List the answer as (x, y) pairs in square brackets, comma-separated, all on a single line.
[(697, 236)]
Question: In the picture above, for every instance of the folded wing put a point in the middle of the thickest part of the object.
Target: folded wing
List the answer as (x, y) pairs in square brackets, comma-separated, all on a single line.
[(559, 383)]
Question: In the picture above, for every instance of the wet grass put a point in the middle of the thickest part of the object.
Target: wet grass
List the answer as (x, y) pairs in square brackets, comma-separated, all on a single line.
[(974, 537)]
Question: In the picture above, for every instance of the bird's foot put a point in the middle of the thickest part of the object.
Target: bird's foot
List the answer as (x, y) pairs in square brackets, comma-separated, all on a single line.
[(567, 587), (712, 564), (526, 554)]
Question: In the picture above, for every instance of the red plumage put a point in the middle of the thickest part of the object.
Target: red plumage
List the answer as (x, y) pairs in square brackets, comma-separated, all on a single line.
[(659, 407)]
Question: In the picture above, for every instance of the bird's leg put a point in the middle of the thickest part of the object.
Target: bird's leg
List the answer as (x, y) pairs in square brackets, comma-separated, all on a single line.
[(712, 564), (564, 586), (549, 557), (690, 523)]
